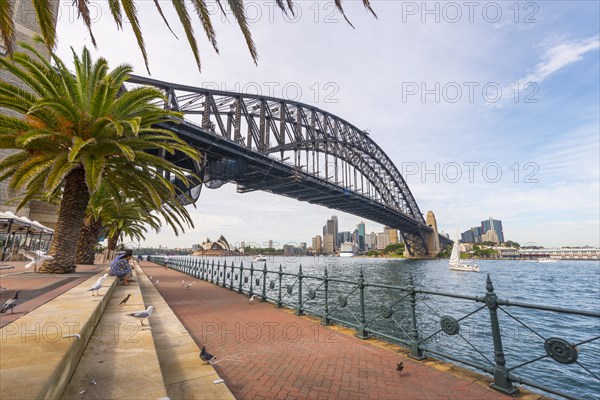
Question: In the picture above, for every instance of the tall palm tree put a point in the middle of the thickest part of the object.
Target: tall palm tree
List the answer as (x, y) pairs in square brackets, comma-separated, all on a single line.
[(79, 130), (45, 16), (111, 213)]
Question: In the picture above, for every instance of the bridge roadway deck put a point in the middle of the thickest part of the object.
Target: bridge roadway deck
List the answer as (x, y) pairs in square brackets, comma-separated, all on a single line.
[(268, 353)]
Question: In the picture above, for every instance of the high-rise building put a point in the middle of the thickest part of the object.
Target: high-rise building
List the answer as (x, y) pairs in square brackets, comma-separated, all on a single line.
[(392, 233), (360, 239), (331, 228), (370, 241), (317, 244), (383, 240), (493, 225), (490, 236), (270, 244), (345, 236), (328, 244), (472, 235)]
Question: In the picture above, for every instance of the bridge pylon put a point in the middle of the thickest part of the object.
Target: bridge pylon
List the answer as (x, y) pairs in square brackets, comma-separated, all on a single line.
[(432, 240)]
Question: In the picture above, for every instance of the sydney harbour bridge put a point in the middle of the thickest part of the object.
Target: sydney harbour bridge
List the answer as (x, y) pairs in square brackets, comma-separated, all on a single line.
[(294, 150)]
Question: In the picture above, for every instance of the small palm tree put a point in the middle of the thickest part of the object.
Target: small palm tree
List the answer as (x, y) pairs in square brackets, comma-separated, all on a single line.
[(80, 130), (44, 10)]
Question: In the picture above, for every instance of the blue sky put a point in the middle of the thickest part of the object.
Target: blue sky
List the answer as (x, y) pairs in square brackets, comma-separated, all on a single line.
[(545, 143)]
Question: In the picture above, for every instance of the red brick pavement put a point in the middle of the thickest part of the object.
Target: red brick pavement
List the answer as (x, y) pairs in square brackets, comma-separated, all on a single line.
[(267, 353), (37, 289)]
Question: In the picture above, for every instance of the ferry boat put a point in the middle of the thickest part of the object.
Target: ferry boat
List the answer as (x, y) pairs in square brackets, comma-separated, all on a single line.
[(547, 260), (259, 258)]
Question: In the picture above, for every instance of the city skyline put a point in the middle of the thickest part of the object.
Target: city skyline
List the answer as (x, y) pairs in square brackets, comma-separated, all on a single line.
[(525, 150)]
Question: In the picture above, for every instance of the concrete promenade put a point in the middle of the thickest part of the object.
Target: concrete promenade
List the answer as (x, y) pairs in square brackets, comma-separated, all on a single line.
[(268, 353)]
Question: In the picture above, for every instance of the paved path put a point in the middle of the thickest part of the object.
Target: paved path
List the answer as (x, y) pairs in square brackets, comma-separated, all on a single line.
[(265, 353)]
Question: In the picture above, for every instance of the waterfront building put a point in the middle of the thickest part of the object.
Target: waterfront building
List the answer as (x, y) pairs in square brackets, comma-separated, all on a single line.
[(383, 240), (392, 233), (317, 244), (26, 27), (490, 236), (210, 248), (345, 236), (303, 246), (270, 244), (472, 235), (370, 241), (360, 239), (328, 244), (492, 224), (331, 228), (586, 253)]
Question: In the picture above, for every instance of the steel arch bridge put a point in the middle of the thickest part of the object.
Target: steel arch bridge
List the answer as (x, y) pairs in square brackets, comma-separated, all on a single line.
[(295, 150)]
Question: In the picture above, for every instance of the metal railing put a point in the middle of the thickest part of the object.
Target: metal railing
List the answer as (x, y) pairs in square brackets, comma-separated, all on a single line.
[(405, 315)]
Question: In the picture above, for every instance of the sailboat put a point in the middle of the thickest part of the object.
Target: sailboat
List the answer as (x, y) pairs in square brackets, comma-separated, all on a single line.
[(456, 265)]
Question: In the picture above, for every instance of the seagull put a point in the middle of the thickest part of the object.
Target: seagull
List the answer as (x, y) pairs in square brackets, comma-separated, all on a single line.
[(125, 299), (156, 282), (10, 303), (206, 356), (150, 279), (251, 301), (143, 314), (400, 367), (187, 285), (98, 285), (37, 257)]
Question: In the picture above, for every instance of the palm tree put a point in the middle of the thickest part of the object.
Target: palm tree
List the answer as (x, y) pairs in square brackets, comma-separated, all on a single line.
[(77, 131), (44, 10), (113, 213)]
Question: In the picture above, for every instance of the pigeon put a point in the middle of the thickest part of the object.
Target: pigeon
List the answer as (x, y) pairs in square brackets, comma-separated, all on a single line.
[(37, 257), (150, 279), (251, 301), (187, 285), (400, 367), (98, 285), (125, 299), (205, 355), (11, 303), (142, 315), (156, 282)]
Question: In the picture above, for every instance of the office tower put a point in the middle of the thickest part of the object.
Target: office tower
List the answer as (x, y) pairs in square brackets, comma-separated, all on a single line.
[(360, 240), (328, 244), (492, 225), (331, 228), (317, 244), (392, 233), (383, 240), (370, 241)]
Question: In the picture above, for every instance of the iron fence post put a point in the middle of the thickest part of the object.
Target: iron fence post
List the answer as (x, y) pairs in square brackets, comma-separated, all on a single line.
[(280, 273), (224, 281), (218, 272), (232, 273), (325, 319), (240, 287), (361, 333), (299, 307), (501, 381), (251, 293), (264, 284), (415, 351), (212, 271), (202, 267)]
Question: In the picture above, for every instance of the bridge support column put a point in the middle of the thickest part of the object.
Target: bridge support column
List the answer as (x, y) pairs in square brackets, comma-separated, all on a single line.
[(432, 241)]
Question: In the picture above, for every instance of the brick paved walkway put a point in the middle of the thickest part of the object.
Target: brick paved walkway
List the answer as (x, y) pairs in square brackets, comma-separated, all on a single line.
[(37, 289), (267, 353)]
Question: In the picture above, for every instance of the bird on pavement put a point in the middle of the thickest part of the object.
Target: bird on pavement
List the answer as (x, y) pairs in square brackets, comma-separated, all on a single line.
[(142, 315), (400, 367), (205, 355), (156, 282), (10, 303), (98, 285), (36, 257), (125, 299), (187, 285), (251, 301)]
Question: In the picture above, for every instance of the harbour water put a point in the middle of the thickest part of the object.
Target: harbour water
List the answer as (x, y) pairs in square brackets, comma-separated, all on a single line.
[(565, 284)]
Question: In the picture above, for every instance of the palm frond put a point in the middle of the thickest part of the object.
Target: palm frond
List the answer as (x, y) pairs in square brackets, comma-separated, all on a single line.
[(115, 10), (184, 18), (8, 24), (83, 11), (204, 15), (131, 12), (44, 11), (160, 11), (237, 7)]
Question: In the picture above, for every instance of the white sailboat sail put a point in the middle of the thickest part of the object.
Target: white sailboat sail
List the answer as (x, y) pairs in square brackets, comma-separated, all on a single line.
[(456, 265)]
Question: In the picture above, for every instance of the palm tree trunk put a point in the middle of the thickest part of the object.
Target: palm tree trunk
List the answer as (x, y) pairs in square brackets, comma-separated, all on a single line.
[(112, 244), (90, 232), (70, 220)]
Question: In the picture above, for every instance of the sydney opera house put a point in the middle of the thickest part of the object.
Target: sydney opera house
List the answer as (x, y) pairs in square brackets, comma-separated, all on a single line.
[(220, 247)]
